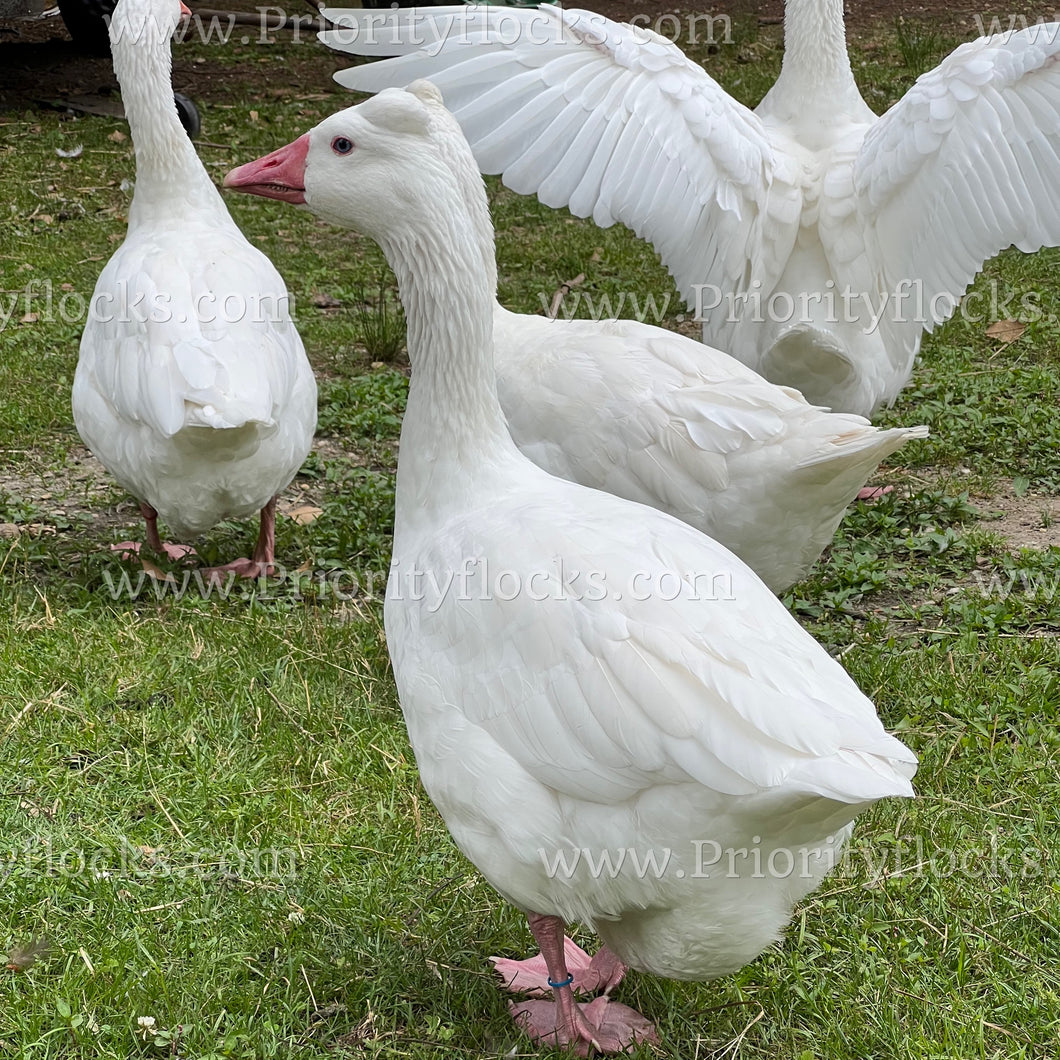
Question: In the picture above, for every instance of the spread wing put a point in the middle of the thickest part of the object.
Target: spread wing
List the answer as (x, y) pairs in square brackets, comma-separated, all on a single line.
[(608, 119), (965, 164)]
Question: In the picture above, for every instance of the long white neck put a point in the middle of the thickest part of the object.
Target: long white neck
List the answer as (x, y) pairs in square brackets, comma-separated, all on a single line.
[(454, 439), (170, 178), (455, 152), (816, 66)]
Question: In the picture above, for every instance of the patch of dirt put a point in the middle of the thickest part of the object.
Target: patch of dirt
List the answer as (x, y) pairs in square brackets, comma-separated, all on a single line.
[(83, 492), (956, 18), (79, 490), (1027, 521)]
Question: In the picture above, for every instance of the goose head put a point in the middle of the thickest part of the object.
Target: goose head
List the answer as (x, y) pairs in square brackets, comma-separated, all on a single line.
[(369, 167)]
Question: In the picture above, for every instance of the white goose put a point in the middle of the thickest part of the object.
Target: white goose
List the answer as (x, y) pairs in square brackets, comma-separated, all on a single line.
[(192, 387), (586, 674), (816, 240)]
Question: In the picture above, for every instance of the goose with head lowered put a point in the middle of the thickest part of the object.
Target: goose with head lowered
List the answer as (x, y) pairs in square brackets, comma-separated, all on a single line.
[(586, 675), (655, 417), (192, 386), (815, 240)]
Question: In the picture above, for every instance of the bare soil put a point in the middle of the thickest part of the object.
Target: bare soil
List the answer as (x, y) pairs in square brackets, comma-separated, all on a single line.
[(1027, 520), (82, 490), (39, 62)]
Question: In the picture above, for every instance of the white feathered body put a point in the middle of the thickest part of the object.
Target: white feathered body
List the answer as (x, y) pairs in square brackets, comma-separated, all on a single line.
[(800, 321), (685, 727), (207, 410), (655, 417), (817, 241)]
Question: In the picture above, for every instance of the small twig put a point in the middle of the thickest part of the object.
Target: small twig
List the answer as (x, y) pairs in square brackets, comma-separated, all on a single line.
[(287, 714), (434, 892), (312, 996), (165, 905), (734, 1046)]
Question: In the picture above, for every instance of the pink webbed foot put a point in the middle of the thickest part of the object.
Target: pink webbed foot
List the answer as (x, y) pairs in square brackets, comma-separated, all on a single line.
[(601, 1026), (260, 564), (131, 549), (873, 493), (241, 568), (600, 974)]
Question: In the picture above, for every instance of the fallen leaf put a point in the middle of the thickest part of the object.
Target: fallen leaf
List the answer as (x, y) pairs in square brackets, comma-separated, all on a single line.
[(305, 514), (156, 572), (117, 137), (253, 115), (324, 301), (1005, 330)]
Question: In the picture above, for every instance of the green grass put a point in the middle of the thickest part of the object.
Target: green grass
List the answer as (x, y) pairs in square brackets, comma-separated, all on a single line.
[(209, 809)]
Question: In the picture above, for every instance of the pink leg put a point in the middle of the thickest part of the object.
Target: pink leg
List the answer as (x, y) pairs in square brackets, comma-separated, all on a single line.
[(261, 564), (599, 975), (603, 1025), (151, 518), (265, 549), (154, 542)]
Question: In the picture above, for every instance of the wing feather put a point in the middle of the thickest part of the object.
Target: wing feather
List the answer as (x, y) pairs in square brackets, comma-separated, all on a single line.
[(590, 114), (601, 701), (964, 165)]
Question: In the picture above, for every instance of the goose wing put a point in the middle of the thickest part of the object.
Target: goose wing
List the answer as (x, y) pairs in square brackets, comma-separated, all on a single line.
[(600, 696), (172, 343), (633, 409), (964, 165), (608, 119)]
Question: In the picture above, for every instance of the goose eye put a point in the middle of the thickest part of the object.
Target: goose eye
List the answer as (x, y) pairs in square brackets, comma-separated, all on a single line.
[(341, 146)]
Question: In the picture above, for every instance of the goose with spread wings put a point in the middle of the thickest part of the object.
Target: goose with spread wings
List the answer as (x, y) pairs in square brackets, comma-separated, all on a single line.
[(816, 241)]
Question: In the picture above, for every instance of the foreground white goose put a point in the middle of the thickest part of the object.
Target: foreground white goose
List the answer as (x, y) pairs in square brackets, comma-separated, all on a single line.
[(816, 240), (192, 387), (582, 674)]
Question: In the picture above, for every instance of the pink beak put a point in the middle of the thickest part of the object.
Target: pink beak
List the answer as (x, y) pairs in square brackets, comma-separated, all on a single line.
[(280, 175), (185, 11)]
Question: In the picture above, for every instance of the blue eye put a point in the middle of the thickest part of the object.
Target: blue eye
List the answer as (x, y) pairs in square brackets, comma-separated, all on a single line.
[(341, 146)]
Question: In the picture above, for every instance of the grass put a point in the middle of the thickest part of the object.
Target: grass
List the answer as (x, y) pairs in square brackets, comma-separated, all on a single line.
[(382, 327), (210, 811), (920, 46)]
